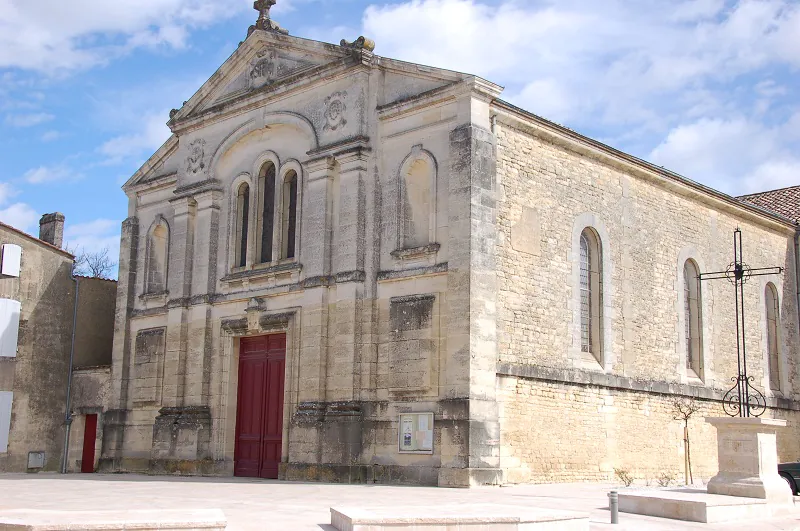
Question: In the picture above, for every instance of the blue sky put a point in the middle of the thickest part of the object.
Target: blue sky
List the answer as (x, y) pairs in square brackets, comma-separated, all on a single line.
[(707, 88)]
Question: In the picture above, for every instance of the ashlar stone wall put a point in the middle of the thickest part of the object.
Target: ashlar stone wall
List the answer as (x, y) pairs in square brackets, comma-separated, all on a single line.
[(566, 417), (395, 169)]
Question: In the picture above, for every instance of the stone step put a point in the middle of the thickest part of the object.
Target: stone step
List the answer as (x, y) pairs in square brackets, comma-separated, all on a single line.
[(461, 517), (139, 520), (697, 505)]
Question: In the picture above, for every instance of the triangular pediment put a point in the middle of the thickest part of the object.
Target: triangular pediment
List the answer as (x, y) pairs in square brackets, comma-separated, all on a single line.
[(265, 58)]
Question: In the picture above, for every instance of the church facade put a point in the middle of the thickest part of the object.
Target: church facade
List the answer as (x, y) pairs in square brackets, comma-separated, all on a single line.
[(344, 267)]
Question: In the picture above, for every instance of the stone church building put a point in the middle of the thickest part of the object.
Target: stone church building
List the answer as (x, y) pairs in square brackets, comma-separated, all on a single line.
[(345, 267)]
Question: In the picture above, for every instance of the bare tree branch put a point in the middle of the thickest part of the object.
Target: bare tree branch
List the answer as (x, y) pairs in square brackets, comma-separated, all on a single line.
[(96, 264), (683, 408)]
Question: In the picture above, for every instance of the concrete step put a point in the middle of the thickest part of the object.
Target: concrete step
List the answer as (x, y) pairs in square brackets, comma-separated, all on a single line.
[(449, 518), (139, 520)]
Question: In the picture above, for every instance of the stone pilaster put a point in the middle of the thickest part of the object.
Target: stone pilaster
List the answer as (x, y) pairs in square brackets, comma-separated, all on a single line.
[(115, 417), (305, 445), (179, 286), (348, 267), (316, 226), (471, 442), (203, 281)]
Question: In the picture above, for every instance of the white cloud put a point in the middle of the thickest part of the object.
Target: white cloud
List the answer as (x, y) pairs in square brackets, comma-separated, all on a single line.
[(94, 236), (48, 174), (54, 36), (6, 193), (28, 120), (736, 155), (140, 117), (148, 134), (19, 215), (52, 135), (675, 81)]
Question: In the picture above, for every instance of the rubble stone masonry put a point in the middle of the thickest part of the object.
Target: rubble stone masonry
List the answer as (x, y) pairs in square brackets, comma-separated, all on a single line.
[(566, 418)]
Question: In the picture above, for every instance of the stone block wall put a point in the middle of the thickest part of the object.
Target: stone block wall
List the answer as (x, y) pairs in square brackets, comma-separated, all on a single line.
[(558, 431), (551, 185), (37, 376), (649, 228)]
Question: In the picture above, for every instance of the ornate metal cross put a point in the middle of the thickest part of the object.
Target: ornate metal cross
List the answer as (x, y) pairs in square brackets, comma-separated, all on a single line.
[(741, 400)]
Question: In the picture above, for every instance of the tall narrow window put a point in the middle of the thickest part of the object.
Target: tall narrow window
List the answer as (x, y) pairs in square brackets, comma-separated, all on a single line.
[(157, 249), (771, 301), (266, 185), (242, 221), (289, 214), (693, 319), (591, 287)]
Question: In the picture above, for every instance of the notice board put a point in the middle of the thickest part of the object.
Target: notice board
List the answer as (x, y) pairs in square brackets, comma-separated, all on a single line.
[(416, 433)]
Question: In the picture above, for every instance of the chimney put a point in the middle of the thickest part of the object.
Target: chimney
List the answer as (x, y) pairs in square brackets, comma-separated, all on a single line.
[(51, 228)]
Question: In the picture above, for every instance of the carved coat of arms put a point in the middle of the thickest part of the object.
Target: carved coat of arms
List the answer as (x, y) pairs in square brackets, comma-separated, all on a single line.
[(264, 68), (334, 111), (197, 152)]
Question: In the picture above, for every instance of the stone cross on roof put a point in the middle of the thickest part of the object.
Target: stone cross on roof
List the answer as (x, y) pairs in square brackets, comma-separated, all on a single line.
[(264, 22)]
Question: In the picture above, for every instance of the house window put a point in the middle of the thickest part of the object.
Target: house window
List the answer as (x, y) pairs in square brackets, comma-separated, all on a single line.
[(692, 319), (772, 313), (266, 186), (157, 259), (289, 215), (242, 220), (591, 293)]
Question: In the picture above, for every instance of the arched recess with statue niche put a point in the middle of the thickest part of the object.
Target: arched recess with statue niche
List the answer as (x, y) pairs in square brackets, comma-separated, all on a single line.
[(417, 204), (268, 156), (261, 170)]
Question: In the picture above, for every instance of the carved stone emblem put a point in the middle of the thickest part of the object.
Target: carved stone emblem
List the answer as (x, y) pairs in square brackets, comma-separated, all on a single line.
[(334, 111), (197, 151), (361, 43), (264, 68)]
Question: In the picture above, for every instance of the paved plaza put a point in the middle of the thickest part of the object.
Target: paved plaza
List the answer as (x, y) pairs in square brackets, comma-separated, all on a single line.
[(275, 505)]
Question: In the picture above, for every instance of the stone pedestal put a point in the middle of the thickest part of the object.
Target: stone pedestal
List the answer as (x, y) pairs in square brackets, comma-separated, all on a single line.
[(748, 459)]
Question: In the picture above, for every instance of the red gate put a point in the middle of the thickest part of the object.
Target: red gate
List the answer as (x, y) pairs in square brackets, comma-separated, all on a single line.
[(259, 413), (89, 440)]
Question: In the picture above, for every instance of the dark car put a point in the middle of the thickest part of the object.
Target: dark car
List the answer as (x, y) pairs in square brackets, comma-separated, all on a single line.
[(790, 472)]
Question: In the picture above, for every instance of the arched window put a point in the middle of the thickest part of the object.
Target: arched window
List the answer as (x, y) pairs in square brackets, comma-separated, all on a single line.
[(242, 221), (693, 320), (289, 215), (591, 293), (416, 204), (157, 258), (266, 187), (771, 302)]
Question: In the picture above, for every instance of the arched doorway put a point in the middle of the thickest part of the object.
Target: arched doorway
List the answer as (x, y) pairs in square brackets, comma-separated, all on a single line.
[(259, 412)]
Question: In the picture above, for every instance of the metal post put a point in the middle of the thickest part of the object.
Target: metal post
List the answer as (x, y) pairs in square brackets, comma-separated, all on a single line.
[(613, 505), (686, 452)]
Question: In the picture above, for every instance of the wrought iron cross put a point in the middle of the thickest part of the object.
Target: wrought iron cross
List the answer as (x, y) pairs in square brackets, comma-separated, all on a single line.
[(741, 400)]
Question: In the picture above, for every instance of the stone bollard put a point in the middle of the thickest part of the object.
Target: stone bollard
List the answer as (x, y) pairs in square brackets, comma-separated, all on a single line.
[(613, 505)]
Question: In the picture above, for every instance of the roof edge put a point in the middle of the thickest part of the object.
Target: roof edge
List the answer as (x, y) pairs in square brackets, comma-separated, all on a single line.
[(34, 239), (645, 165)]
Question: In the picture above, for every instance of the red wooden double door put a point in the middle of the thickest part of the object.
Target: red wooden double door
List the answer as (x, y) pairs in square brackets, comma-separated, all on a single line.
[(259, 416)]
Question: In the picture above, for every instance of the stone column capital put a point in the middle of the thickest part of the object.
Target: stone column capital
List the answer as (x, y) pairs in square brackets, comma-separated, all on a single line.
[(353, 160), (320, 167), (183, 205), (208, 199)]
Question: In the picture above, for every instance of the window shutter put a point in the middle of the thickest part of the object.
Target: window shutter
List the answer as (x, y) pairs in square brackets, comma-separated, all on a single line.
[(9, 327), (12, 257), (6, 398)]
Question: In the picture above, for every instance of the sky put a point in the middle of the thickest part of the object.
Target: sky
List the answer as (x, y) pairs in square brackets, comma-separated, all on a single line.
[(706, 88)]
